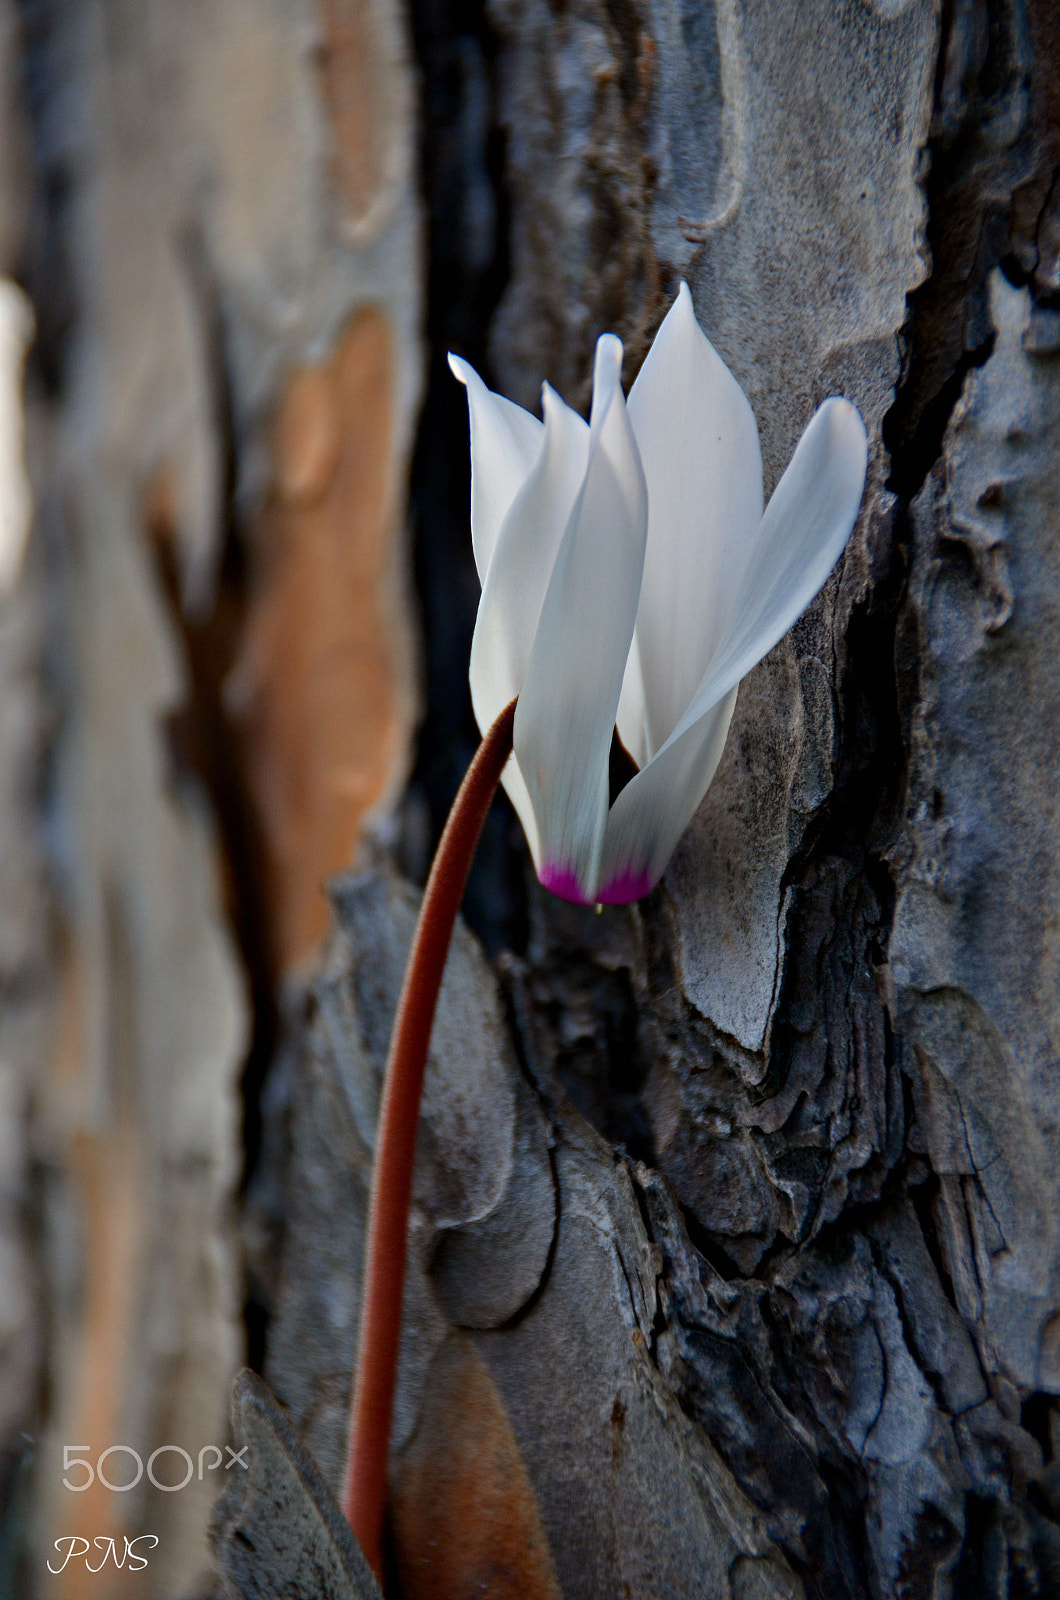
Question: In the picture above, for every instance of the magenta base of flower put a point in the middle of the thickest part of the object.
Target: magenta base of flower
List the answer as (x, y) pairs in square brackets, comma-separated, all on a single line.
[(626, 888), (562, 882), (621, 891)]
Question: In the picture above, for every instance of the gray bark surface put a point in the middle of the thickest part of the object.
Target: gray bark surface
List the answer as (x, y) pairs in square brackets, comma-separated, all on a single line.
[(797, 1330), (168, 195), (735, 1250)]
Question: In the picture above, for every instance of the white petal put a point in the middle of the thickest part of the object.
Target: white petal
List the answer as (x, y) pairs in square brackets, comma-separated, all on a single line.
[(632, 718), (567, 709), (799, 540), (698, 442), (505, 441), (517, 580), (656, 806), (518, 575), (517, 792), (802, 534)]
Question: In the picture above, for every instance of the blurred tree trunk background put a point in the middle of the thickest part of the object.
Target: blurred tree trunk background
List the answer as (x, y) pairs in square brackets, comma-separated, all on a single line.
[(736, 1245)]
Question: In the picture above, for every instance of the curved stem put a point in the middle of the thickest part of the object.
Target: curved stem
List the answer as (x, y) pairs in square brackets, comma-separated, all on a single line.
[(395, 1145)]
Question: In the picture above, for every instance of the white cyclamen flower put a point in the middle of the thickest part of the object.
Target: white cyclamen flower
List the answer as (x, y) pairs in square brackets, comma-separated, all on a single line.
[(630, 575)]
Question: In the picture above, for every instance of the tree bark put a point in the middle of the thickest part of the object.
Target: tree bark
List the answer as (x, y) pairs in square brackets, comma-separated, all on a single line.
[(795, 1330), (734, 1256)]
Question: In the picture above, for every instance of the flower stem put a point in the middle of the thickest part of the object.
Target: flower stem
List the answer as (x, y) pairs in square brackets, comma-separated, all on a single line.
[(395, 1144)]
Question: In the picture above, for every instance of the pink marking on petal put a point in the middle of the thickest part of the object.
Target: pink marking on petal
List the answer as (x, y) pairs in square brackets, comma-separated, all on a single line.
[(633, 884), (562, 881)]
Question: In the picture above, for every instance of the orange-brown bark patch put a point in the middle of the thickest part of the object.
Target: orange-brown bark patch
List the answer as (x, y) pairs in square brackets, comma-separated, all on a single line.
[(465, 1517), (319, 682)]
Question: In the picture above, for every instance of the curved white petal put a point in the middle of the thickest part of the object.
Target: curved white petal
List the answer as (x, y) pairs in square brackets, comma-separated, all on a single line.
[(517, 579), (632, 717), (505, 441), (567, 708), (799, 540), (517, 792), (654, 809), (698, 442), (524, 555), (802, 534)]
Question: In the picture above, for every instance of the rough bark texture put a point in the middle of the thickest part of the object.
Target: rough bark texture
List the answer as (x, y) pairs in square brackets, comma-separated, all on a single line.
[(796, 1329), (735, 1255), (207, 686)]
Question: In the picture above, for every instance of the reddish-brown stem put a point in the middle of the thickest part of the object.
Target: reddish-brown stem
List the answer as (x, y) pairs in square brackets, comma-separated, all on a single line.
[(395, 1144)]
